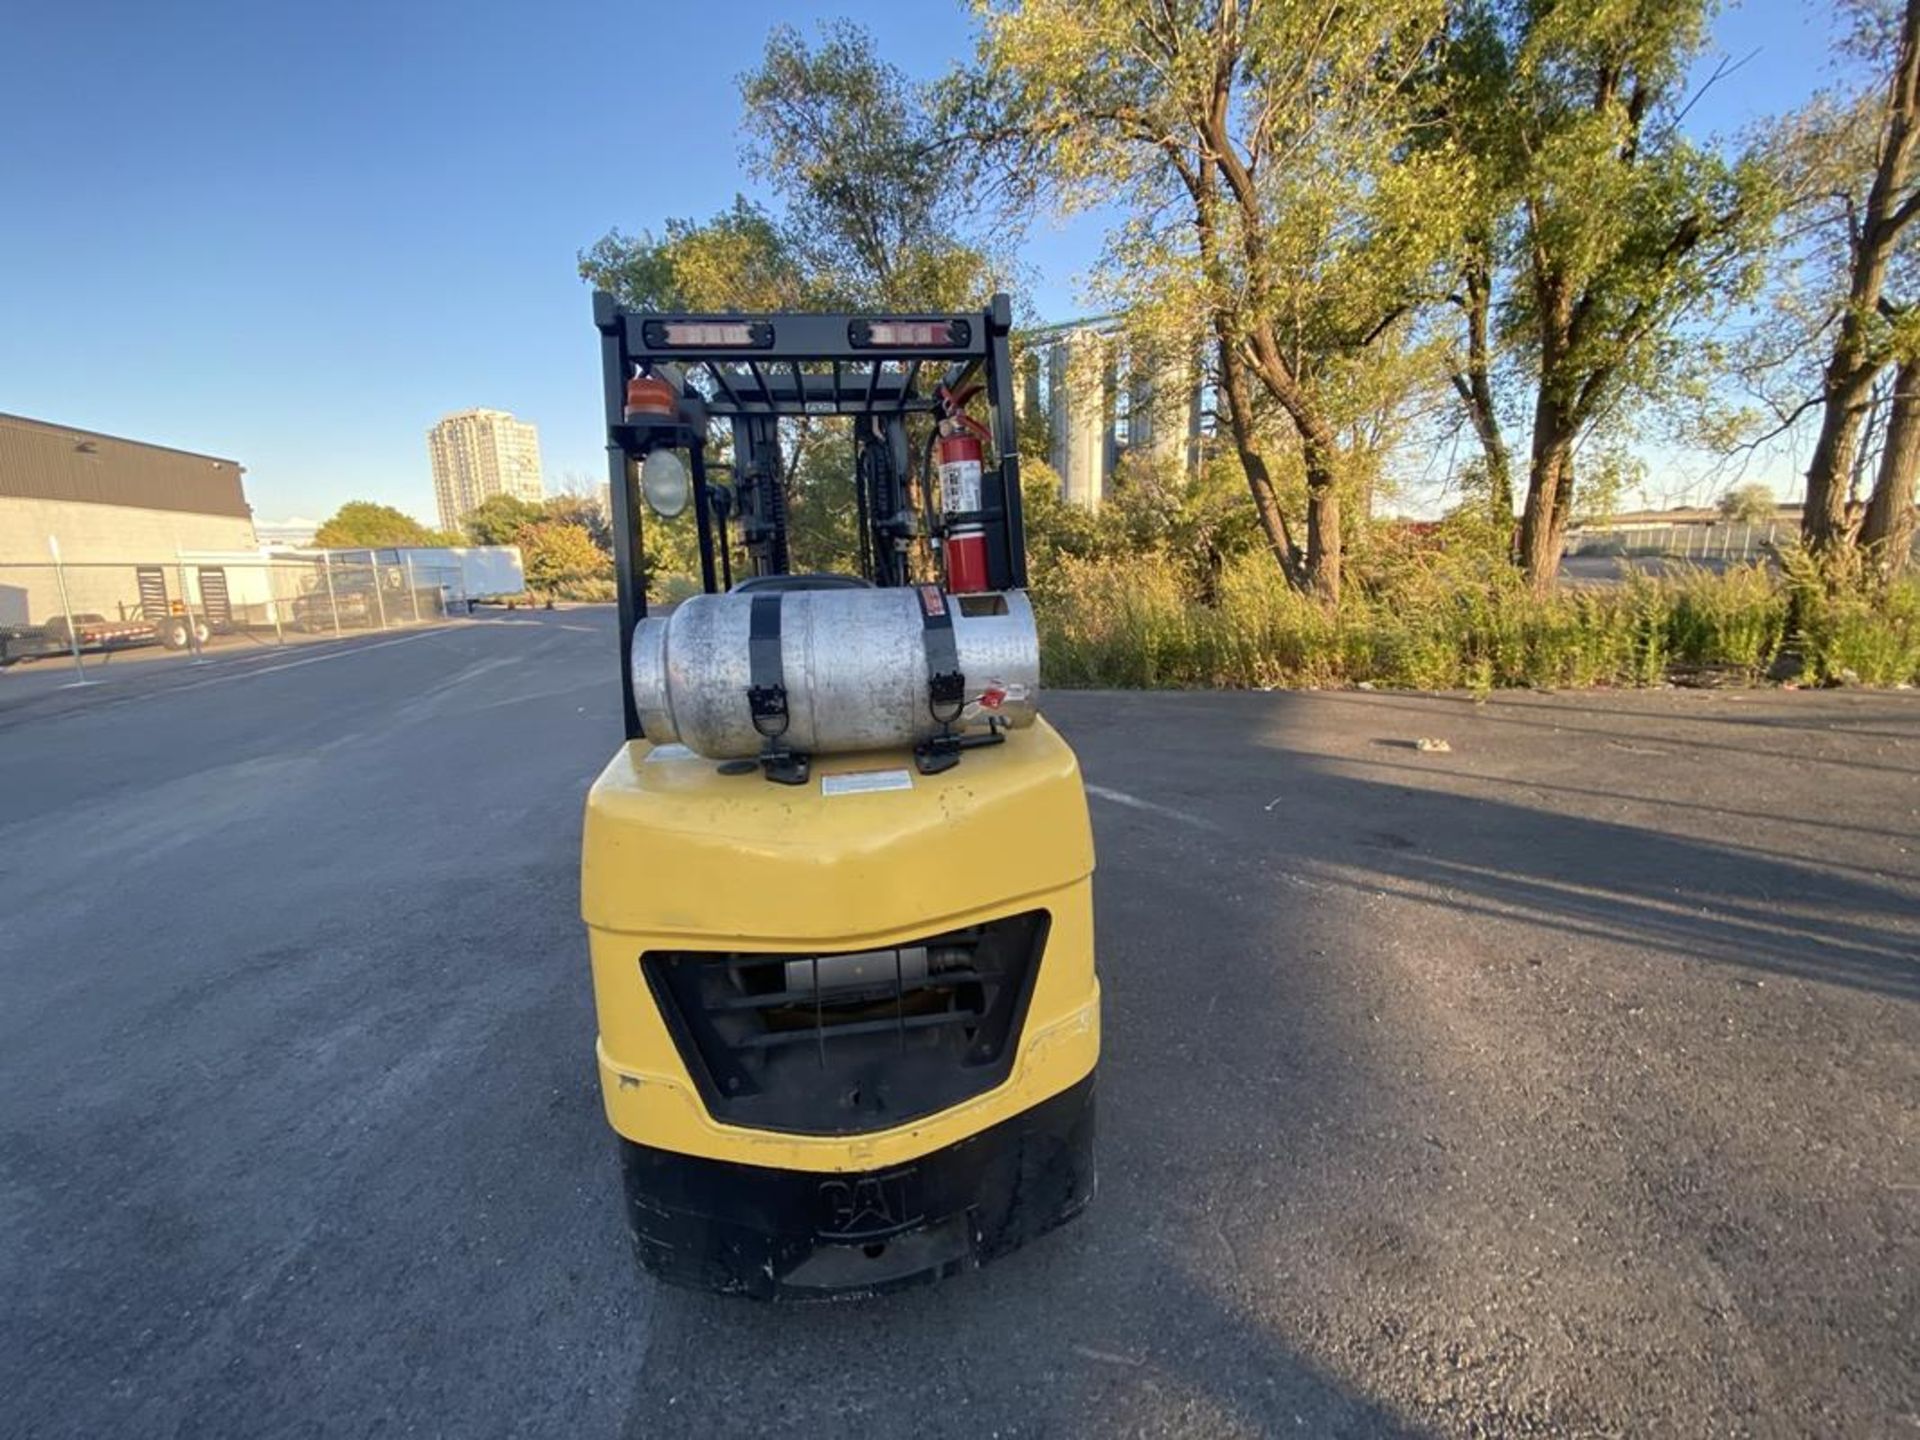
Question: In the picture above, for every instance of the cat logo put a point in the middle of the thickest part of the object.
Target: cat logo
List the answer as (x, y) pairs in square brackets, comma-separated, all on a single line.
[(863, 1205)]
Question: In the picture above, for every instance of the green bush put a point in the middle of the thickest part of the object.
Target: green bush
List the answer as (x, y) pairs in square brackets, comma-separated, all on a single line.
[(1863, 637)]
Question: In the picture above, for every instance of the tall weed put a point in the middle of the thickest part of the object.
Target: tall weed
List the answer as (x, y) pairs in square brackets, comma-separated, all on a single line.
[(1459, 617)]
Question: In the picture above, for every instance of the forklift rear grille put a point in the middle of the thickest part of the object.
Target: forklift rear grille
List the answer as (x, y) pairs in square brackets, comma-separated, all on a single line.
[(842, 1043)]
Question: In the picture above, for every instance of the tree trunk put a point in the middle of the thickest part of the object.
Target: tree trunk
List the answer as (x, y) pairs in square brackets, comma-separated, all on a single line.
[(1323, 522), (1319, 448), (1852, 366), (1280, 380), (1475, 385), (1849, 396), (1266, 504), (1500, 484), (1543, 527), (1550, 472), (1887, 530), (1199, 180)]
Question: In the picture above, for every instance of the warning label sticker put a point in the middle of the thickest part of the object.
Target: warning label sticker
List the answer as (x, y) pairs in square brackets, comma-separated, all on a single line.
[(865, 782)]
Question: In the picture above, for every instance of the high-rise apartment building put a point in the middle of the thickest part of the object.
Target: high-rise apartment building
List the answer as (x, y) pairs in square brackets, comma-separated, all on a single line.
[(480, 453)]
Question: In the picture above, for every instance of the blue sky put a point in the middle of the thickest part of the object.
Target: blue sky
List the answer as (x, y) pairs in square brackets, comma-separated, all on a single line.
[(297, 235)]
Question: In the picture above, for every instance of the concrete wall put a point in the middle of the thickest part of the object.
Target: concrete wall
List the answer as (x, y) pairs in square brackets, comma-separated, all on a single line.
[(100, 544)]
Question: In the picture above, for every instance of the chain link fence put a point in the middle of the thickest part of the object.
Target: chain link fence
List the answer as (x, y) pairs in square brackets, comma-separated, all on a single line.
[(91, 613), (1724, 542), (1729, 542)]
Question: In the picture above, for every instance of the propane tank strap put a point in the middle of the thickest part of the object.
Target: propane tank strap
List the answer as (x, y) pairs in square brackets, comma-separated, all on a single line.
[(766, 677), (946, 685)]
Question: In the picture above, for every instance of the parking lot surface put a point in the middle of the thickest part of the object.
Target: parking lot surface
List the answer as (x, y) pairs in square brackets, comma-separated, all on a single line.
[(1561, 1082)]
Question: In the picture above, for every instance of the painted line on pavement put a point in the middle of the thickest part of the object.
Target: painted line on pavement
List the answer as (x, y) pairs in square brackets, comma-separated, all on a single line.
[(1134, 802), (306, 660), (250, 673)]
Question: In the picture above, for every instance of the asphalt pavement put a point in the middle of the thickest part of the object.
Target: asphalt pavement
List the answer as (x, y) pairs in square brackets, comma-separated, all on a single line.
[(1566, 1081)]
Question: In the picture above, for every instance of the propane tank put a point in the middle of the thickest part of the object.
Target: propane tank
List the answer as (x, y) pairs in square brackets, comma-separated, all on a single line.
[(853, 664), (960, 502)]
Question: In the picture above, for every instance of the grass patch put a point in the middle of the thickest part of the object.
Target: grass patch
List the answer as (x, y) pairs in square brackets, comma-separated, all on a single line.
[(1450, 621)]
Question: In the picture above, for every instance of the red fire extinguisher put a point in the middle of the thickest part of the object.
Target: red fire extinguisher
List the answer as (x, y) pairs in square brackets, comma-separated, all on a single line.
[(961, 497)]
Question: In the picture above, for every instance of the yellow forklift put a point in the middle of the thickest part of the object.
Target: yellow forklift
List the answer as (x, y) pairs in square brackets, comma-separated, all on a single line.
[(837, 881)]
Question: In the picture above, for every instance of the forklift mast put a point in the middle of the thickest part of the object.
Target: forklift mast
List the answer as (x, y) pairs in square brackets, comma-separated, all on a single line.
[(880, 373)]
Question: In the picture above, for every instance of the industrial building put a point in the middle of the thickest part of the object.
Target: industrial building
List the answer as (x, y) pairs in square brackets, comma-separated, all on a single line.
[(1094, 418), (108, 503), (477, 454)]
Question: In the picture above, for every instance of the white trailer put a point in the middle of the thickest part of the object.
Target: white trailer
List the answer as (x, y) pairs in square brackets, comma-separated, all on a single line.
[(461, 573)]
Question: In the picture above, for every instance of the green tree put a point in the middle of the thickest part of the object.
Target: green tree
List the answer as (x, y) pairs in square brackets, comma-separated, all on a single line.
[(1747, 504), (586, 512), (1273, 200), (498, 519), (741, 259), (1623, 231), (363, 524), (1467, 87), (869, 215), (1055, 529), (557, 555), (867, 218), (858, 153), (670, 555)]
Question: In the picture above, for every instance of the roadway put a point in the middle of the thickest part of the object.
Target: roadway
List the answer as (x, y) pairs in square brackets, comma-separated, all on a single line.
[(1563, 1082)]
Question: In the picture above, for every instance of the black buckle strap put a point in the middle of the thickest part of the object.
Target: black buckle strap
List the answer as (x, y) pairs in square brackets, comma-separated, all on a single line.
[(946, 685), (767, 691), (768, 703), (766, 688)]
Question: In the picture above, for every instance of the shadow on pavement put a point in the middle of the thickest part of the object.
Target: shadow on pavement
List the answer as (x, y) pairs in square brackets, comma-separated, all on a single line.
[(1729, 901)]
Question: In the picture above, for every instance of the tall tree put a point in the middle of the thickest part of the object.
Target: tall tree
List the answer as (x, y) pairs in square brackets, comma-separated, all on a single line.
[(1262, 154), (866, 219), (1465, 90), (857, 153), (1867, 337), (1623, 229)]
